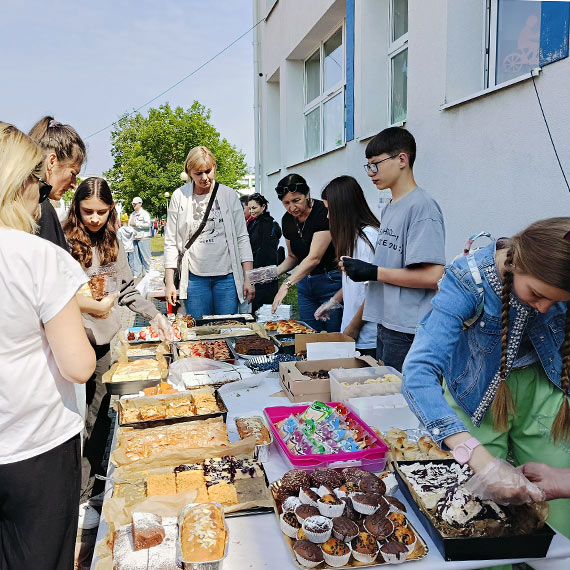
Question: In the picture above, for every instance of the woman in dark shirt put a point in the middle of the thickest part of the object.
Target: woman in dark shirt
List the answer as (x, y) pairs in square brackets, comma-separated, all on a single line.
[(264, 235), (310, 250)]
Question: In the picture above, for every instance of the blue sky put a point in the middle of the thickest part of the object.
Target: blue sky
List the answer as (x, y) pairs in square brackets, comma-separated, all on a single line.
[(86, 63)]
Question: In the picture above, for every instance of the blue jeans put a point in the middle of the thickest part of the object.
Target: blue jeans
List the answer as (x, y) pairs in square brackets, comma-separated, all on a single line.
[(141, 257), (131, 260), (215, 295), (392, 346), (312, 292)]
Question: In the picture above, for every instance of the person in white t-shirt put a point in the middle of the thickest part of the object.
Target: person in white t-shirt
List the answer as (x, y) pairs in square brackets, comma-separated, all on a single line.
[(43, 350), (141, 222), (126, 235), (354, 230)]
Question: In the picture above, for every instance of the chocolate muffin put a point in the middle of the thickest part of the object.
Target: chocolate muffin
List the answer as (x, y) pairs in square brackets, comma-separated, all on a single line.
[(353, 474), (314, 496), (372, 500), (309, 551), (282, 494), (291, 519), (349, 511), (344, 529), (294, 479), (371, 484), (378, 526), (383, 506), (405, 536), (396, 503), (305, 511), (398, 519), (330, 499), (393, 551), (365, 543), (326, 476), (349, 487)]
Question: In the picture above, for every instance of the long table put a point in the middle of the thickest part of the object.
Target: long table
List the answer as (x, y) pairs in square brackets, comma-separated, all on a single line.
[(256, 541)]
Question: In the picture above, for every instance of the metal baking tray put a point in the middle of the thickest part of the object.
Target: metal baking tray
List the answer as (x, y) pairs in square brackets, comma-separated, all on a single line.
[(231, 360), (217, 320), (533, 545), (273, 333), (232, 342), (420, 550), (223, 412)]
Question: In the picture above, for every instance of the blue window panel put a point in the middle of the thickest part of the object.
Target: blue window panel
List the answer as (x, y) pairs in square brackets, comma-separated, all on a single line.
[(553, 31), (349, 95)]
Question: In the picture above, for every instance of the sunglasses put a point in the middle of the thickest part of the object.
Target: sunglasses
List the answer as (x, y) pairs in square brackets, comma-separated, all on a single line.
[(45, 188), (282, 190)]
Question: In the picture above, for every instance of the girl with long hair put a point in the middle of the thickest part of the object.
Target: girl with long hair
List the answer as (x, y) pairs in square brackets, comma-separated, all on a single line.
[(498, 335), (90, 232), (44, 351), (354, 230)]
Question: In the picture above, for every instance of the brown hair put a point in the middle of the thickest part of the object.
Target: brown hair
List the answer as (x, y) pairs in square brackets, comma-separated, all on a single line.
[(60, 139), (80, 239), (349, 214), (542, 252)]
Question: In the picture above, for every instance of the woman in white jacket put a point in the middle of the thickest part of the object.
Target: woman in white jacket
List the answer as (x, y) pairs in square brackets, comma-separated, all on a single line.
[(213, 278)]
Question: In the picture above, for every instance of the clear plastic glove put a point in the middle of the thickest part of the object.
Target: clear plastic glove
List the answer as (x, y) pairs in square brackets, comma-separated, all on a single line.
[(262, 274), (323, 313), (502, 483), (161, 325)]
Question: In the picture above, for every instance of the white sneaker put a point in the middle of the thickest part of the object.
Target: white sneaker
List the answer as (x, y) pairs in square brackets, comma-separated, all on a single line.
[(88, 517)]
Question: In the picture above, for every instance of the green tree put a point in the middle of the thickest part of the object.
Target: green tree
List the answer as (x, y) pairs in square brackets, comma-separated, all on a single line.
[(149, 153)]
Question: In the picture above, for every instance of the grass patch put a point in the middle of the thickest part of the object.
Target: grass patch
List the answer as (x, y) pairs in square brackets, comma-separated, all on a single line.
[(157, 244), (291, 297)]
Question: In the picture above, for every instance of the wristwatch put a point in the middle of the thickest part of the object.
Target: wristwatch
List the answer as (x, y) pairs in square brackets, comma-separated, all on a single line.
[(463, 452), (288, 283)]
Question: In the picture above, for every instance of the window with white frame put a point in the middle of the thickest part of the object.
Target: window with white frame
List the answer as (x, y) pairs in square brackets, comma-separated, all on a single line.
[(398, 58), (513, 39), (324, 96)]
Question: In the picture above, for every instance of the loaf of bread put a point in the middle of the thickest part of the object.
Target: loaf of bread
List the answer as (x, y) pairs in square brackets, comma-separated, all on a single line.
[(203, 534)]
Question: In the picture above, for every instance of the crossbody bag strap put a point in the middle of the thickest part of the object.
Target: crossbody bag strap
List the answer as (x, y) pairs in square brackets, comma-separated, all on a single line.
[(476, 274), (202, 225)]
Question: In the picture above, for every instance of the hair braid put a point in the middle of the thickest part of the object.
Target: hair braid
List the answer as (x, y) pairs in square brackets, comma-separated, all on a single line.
[(503, 403), (561, 425)]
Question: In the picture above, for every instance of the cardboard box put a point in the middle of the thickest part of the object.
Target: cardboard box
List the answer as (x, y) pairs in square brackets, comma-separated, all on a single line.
[(302, 340), (300, 388)]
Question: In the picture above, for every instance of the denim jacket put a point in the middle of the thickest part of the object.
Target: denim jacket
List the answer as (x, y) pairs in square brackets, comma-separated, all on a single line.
[(469, 357)]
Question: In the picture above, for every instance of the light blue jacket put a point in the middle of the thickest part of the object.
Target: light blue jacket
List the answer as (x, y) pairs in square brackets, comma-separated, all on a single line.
[(469, 357)]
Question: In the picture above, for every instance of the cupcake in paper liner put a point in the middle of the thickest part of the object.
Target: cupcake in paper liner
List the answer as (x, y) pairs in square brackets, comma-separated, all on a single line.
[(347, 489), (394, 552), (380, 527), (330, 506), (365, 504), (290, 503), (318, 529), (308, 496), (396, 505), (336, 552), (405, 536), (307, 553), (344, 529), (399, 519), (365, 548), (390, 481), (301, 534), (289, 524), (303, 512), (325, 490)]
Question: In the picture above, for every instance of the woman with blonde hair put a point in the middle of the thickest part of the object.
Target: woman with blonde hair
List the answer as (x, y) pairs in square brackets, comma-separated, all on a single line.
[(206, 237), (44, 351)]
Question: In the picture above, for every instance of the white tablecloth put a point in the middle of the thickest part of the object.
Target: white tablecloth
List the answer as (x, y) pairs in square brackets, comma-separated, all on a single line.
[(256, 541)]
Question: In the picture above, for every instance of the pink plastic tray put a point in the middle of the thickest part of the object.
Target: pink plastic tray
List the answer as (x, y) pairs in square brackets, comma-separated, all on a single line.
[(373, 458)]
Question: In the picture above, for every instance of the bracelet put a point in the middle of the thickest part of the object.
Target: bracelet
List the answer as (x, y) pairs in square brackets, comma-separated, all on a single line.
[(288, 283)]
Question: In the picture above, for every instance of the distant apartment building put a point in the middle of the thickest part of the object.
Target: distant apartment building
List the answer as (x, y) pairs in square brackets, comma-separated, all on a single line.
[(459, 74)]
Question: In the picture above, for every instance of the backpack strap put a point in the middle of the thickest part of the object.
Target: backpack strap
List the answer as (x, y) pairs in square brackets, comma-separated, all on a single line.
[(476, 274)]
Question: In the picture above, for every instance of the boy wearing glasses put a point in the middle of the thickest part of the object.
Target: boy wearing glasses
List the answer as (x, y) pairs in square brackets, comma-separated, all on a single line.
[(410, 250)]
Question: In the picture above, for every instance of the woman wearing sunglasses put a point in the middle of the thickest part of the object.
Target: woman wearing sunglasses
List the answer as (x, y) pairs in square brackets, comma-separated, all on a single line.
[(44, 352), (310, 251)]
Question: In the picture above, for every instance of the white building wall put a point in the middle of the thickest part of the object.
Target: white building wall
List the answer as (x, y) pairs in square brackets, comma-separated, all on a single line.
[(488, 161)]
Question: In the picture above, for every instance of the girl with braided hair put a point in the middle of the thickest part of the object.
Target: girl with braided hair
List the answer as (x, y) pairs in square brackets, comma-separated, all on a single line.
[(498, 336)]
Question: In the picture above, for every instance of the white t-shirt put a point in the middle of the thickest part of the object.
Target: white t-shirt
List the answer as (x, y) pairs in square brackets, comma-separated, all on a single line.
[(126, 234), (353, 293), (38, 407)]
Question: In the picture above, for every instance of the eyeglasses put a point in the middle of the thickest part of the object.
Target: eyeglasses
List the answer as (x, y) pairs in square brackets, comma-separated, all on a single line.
[(282, 190), (45, 189), (372, 167)]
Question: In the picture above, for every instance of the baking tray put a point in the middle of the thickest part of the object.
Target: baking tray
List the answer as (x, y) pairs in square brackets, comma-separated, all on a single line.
[(261, 452), (139, 344), (232, 343), (232, 360), (223, 412), (371, 459), (420, 550), (533, 545), (273, 333), (216, 320)]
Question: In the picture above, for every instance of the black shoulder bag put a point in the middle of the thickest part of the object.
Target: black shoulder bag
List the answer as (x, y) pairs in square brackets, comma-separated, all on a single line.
[(194, 236)]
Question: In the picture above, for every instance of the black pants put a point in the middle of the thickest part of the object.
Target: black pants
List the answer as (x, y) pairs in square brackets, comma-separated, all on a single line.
[(38, 509), (97, 423), (392, 346), (264, 294)]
